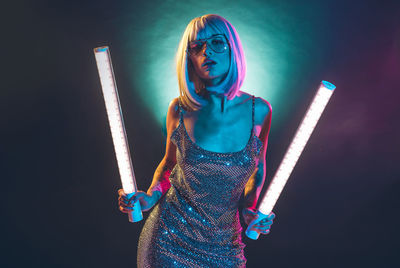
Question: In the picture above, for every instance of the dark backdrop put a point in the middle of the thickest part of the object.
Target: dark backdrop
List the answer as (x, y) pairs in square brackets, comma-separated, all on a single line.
[(59, 176)]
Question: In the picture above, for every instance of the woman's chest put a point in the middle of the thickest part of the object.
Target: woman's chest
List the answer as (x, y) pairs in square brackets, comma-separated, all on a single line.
[(229, 133)]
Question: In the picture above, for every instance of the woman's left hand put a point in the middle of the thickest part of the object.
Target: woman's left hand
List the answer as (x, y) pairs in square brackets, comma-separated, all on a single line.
[(263, 226)]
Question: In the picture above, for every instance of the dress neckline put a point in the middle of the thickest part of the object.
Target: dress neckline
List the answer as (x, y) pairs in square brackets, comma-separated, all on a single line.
[(252, 135), (182, 123)]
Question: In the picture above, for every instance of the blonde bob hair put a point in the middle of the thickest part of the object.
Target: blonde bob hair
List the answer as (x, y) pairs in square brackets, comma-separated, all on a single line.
[(191, 88)]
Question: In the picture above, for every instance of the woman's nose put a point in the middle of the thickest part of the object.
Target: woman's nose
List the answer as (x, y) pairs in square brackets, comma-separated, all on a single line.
[(206, 50)]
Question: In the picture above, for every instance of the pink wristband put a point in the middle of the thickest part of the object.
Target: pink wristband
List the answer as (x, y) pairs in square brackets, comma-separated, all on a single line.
[(164, 185)]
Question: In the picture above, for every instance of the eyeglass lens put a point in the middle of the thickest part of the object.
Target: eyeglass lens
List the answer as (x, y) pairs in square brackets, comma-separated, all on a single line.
[(216, 43)]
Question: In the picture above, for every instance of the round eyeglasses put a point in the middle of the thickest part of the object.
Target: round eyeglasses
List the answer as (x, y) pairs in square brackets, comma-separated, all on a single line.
[(218, 43)]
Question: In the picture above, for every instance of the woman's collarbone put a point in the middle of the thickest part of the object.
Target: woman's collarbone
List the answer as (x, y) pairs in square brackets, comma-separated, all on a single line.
[(221, 138)]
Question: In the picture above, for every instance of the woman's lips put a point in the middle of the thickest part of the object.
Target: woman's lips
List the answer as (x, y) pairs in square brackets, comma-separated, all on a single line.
[(208, 63)]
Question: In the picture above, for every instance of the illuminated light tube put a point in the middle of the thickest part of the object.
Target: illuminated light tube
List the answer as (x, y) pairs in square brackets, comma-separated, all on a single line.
[(293, 153), (118, 133)]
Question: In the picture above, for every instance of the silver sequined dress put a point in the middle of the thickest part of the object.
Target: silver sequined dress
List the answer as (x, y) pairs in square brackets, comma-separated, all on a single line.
[(196, 223)]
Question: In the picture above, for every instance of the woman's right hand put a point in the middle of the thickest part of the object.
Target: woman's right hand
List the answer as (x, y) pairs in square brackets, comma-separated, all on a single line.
[(146, 201)]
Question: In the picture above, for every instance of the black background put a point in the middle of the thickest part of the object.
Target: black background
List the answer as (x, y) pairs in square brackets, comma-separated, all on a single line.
[(59, 175)]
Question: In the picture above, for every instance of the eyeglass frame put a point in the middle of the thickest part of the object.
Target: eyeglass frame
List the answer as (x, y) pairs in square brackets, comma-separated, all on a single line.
[(206, 42)]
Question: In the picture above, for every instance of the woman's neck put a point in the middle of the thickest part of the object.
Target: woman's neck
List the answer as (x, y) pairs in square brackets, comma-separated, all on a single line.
[(217, 103)]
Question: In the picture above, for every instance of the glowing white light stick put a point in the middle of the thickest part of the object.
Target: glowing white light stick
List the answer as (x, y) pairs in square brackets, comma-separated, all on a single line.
[(293, 153), (117, 127)]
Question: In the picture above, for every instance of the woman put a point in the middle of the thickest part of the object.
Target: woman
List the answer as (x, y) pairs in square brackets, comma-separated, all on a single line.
[(210, 160)]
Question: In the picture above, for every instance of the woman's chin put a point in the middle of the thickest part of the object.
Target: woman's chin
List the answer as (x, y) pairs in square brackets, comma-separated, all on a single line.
[(216, 91), (211, 79)]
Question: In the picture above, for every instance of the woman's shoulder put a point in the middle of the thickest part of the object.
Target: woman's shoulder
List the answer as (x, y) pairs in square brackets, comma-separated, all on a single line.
[(173, 106), (262, 108), (173, 113), (177, 105)]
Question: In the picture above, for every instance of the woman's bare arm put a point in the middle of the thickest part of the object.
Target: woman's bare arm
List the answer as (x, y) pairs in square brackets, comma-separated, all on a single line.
[(161, 175), (160, 183), (263, 115)]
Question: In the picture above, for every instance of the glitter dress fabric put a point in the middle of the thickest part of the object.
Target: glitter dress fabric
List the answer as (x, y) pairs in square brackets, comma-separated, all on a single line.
[(196, 223)]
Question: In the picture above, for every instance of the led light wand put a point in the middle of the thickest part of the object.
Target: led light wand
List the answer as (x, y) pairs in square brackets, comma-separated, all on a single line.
[(293, 153), (118, 133)]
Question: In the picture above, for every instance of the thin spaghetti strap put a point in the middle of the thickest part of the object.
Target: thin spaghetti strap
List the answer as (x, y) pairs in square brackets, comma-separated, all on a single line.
[(252, 116), (180, 109)]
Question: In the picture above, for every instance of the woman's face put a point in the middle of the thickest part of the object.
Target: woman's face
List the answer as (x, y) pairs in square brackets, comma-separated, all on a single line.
[(210, 57)]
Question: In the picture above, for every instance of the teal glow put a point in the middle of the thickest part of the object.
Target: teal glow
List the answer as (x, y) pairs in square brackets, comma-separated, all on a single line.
[(276, 37)]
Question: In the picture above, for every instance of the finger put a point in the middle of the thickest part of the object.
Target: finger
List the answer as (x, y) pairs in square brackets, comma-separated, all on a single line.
[(125, 209), (265, 222), (271, 216), (123, 204), (132, 200), (263, 225), (123, 199), (267, 225), (261, 228), (121, 192), (265, 232)]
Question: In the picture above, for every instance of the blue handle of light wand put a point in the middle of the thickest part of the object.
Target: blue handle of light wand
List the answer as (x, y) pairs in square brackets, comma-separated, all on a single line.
[(136, 214)]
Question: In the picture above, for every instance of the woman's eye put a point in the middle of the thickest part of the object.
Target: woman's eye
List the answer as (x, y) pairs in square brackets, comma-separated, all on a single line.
[(196, 45), (217, 41)]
